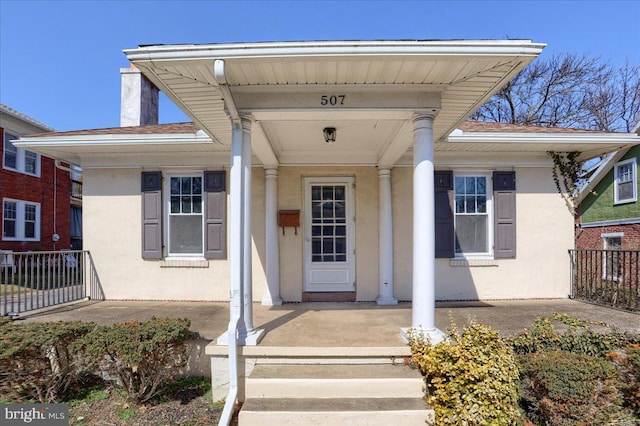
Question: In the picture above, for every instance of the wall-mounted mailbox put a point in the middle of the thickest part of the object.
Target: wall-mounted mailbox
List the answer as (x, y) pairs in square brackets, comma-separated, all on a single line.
[(289, 219)]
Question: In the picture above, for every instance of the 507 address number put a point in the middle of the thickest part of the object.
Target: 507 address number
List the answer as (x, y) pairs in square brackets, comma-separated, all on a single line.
[(332, 100)]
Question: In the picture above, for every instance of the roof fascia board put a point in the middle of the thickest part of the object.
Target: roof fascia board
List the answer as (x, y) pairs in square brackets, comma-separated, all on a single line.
[(25, 118), (600, 173), (458, 136), (336, 48), (113, 140)]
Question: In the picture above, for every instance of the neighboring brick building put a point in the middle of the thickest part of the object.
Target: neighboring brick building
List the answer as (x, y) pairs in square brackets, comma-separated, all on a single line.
[(36, 195)]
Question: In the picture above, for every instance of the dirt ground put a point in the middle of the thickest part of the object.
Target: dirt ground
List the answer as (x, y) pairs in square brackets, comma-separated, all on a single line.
[(110, 407)]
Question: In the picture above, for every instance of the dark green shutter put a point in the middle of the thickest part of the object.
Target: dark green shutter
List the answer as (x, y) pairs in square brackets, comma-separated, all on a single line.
[(151, 187), (504, 199), (215, 193), (443, 183)]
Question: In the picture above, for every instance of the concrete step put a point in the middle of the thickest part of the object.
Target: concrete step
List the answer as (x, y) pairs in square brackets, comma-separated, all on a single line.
[(334, 411), (335, 381)]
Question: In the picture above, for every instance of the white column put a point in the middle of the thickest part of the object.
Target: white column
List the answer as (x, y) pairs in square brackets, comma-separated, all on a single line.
[(423, 307), (385, 244), (247, 334), (236, 268), (272, 249)]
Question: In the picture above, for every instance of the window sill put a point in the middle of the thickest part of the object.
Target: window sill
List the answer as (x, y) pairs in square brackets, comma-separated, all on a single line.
[(184, 263), (630, 200), (473, 262)]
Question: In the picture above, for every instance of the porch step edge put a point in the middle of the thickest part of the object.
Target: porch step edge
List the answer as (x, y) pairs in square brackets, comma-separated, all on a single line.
[(323, 411), (399, 351), (351, 371), (334, 388), (334, 404)]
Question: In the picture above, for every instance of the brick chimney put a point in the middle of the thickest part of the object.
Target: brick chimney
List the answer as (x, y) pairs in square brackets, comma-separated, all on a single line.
[(138, 99)]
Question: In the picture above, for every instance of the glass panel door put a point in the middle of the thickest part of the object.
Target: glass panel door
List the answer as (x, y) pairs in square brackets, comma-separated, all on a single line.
[(329, 234)]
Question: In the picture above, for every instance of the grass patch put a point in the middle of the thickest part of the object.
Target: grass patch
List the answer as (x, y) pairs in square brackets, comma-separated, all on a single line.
[(6, 289), (127, 413)]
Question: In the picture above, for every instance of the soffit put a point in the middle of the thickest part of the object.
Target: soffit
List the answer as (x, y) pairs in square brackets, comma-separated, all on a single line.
[(463, 74)]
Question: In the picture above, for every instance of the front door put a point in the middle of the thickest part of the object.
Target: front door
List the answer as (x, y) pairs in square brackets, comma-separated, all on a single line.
[(329, 229)]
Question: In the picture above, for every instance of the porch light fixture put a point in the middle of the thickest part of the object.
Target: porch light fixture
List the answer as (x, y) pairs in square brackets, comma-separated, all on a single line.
[(329, 134)]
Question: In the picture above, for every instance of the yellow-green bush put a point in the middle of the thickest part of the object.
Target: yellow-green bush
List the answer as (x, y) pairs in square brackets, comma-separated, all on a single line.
[(471, 379)]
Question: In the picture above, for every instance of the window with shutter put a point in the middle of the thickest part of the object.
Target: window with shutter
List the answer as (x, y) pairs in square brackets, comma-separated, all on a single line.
[(193, 224), (480, 221)]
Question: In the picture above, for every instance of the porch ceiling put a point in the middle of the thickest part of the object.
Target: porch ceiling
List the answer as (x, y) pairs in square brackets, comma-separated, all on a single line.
[(461, 75)]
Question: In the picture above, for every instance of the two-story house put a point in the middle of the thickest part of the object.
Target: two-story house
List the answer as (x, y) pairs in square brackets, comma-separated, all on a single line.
[(609, 213), (41, 204)]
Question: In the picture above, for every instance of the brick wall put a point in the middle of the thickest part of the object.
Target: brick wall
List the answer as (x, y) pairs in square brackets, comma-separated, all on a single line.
[(591, 238), (41, 189)]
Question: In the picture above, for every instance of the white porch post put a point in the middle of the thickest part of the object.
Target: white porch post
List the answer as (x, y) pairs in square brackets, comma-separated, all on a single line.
[(271, 236), (385, 245), (423, 307), (247, 334), (235, 240)]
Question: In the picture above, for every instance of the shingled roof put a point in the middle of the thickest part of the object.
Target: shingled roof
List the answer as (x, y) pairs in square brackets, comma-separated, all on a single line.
[(189, 127), (486, 126), (171, 128)]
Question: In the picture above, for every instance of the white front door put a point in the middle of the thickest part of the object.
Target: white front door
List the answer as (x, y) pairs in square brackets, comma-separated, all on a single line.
[(329, 229)]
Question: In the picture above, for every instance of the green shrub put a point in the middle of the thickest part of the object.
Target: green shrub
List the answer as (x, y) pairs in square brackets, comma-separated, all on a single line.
[(35, 360), (141, 355), (470, 379), (562, 388), (628, 364), (579, 338)]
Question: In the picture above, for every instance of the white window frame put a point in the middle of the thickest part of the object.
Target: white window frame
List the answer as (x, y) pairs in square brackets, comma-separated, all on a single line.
[(489, 253), (21, 220), (167, 216), (21, 158), (634, 180), (605, 246)]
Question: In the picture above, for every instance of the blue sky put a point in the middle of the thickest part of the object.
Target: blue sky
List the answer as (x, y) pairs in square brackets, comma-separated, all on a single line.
[(60, 60)]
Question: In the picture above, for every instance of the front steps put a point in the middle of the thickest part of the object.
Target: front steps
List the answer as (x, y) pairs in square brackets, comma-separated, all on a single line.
[(333, 394), (329, 385)]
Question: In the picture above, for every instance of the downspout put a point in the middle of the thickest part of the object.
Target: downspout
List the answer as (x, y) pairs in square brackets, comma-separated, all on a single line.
[(235, 243)]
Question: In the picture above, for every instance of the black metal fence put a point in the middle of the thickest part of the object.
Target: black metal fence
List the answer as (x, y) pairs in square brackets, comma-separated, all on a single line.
[(35, 280), (606, 277)]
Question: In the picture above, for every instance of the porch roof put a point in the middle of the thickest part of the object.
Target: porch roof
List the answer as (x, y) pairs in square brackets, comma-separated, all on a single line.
[(281, 85)]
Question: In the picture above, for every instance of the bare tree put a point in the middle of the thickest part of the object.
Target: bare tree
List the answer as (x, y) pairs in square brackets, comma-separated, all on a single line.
[(568, 91)]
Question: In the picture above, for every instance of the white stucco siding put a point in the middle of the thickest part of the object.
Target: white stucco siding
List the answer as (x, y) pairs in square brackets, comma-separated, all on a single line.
[(112, 233), (112, 229), (544, 234)]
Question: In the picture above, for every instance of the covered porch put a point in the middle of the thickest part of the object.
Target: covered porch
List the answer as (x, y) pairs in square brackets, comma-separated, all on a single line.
[(379, 104)]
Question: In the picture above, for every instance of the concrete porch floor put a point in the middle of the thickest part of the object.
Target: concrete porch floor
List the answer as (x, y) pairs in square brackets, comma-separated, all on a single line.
[(338, 324)]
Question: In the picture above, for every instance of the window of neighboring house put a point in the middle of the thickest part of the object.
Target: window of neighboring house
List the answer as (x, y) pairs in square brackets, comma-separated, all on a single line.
[(20, 220), (185, 216), (625, 178), (473, 215), (19, 159), (612, 243)]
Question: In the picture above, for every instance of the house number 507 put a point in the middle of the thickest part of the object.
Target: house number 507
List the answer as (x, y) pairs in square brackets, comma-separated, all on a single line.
[(332, 100)]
